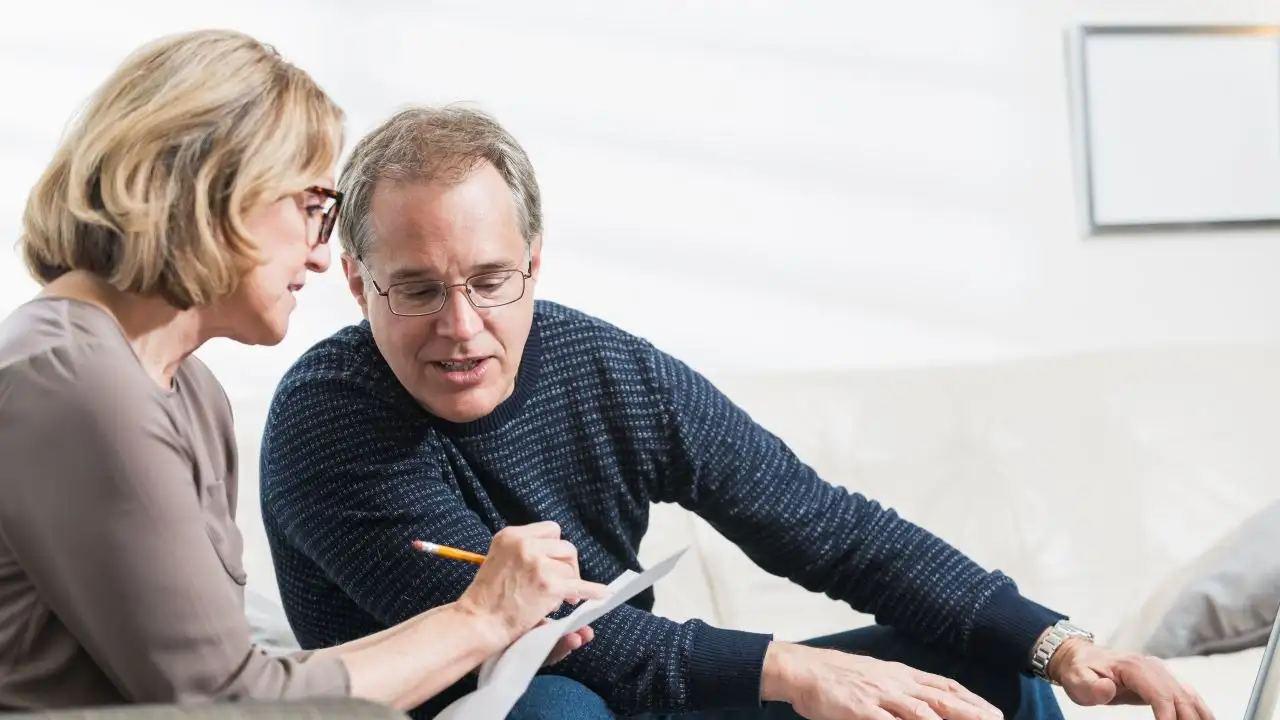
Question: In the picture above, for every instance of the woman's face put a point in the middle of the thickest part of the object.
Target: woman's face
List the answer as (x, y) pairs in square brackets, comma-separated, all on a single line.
[(287, 233)]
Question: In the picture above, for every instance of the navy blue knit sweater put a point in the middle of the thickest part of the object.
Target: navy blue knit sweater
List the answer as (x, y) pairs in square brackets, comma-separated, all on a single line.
[(601, 425)]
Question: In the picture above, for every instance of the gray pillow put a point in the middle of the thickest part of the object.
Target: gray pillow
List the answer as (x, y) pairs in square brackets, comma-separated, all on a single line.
[(1230, 602)]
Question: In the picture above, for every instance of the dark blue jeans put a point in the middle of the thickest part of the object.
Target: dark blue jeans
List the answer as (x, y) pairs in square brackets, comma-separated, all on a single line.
[(1019, 697), (551, 697)]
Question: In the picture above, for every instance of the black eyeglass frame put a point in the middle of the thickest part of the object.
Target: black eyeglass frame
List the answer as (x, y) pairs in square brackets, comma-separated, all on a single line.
[(330, 217)]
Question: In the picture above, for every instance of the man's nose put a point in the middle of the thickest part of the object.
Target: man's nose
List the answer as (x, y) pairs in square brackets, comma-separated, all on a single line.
[(458, 319)]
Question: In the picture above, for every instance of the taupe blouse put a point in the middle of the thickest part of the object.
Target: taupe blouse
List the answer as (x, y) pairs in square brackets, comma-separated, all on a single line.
[(121, 576)]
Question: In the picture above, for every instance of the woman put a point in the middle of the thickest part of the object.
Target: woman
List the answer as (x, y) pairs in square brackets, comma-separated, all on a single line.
[(189, 202)]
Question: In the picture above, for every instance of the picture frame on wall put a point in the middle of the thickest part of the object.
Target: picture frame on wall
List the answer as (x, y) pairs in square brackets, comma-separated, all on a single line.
[(1177, 128)]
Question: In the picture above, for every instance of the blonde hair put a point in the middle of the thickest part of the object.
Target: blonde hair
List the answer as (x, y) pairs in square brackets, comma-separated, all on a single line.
[(150, 185)]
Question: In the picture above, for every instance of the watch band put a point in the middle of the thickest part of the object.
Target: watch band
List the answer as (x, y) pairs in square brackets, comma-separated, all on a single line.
[(1049, 644)]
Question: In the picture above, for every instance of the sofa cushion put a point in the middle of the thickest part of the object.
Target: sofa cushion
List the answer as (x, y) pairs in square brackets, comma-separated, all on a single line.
[(1225, 600), (268, 625), (1088, 478), (685, 594)]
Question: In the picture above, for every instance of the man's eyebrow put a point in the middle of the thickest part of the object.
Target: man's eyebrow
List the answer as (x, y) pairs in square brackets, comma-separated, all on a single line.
[(492, 266), (407, 274), (420, 273)]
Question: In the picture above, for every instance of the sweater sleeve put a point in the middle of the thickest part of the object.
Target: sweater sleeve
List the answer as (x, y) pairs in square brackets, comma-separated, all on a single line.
[(347, 480), (750, 486)]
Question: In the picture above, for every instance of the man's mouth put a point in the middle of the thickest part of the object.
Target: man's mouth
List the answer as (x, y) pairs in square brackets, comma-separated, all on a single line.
[(460, 365)]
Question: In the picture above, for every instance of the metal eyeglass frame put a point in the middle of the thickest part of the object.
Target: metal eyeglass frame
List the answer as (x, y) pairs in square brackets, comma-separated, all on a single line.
[(446, 287)]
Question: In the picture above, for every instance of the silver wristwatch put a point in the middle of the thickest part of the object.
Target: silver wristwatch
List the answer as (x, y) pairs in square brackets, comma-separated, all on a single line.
[(1059, 633)]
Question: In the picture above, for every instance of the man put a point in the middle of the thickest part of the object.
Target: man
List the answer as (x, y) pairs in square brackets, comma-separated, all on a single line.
[(461, 405)]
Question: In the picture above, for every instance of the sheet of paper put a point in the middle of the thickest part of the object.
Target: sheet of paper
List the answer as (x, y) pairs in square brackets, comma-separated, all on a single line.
[(504, 677)]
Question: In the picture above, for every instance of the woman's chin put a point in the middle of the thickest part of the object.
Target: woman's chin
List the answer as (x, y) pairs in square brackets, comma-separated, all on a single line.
[(255, 320), (276, 322), (275, 332), (267, 330)]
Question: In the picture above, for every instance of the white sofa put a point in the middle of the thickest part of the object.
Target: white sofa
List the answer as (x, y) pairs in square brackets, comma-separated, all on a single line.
[(1089, 478)]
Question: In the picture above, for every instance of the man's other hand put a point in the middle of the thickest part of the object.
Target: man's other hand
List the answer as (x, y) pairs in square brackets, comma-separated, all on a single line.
[(832, 685), (568, 644)]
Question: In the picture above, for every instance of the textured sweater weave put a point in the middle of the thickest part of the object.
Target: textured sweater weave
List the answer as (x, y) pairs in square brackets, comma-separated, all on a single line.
[(600, 426)]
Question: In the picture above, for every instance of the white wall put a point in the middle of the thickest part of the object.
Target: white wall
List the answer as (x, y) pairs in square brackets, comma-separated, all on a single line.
[(750, 184)]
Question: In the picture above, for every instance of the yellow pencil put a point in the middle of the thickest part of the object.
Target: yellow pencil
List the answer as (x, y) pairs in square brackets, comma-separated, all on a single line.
[(446, 551)]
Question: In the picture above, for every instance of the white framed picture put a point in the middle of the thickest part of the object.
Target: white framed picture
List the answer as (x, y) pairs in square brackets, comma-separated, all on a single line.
[(1177, 127)]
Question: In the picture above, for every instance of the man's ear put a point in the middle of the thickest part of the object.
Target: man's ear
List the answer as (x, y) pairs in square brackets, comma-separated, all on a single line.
[(355, 282), (535, 256)]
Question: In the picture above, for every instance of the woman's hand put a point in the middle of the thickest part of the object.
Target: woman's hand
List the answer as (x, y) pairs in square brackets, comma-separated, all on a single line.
[(527, 574)]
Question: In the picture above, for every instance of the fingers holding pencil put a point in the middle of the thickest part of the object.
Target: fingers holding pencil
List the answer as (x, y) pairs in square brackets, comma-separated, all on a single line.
[(549, 531), (527, 574)]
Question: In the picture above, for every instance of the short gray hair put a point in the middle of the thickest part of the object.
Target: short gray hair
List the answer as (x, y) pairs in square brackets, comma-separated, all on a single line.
[(432, 144)]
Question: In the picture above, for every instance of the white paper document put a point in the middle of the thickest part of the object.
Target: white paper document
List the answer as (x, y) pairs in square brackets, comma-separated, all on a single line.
[(504, 677)]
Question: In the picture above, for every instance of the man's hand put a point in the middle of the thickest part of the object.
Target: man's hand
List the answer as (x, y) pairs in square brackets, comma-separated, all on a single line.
[(833, 685), (1094, 675), (568, 644)]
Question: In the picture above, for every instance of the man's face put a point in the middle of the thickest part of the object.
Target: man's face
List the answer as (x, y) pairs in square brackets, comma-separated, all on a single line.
[(461, 361)]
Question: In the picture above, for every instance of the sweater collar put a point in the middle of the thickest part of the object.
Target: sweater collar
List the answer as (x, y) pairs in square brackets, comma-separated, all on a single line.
[(526, 382)]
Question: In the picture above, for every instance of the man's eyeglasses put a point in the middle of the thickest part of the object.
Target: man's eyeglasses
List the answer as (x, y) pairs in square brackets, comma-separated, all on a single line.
[(329, 202), (425, 297)]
